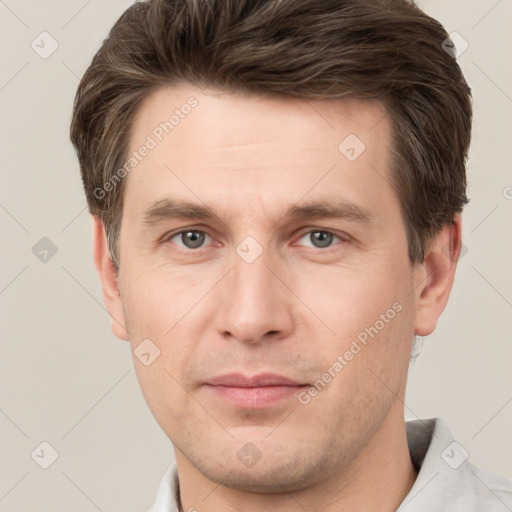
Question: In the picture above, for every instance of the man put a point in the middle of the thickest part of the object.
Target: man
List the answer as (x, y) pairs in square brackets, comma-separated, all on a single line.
[(276, 188)]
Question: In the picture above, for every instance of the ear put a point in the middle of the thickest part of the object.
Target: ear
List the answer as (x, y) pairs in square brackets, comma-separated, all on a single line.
[(105, 267), (434, 277)]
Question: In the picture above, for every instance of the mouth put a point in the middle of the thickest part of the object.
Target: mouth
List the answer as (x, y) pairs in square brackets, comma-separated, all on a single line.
[(257, 392)]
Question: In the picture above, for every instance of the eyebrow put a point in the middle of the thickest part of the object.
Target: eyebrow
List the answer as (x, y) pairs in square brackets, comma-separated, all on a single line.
[(168, 209)]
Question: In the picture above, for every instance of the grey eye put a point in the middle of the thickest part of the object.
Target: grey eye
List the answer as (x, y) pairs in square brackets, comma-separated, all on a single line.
[(190, 239), (320, 239)]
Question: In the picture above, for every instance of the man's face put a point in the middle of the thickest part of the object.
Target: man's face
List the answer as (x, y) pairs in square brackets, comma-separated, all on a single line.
[(258, 291)]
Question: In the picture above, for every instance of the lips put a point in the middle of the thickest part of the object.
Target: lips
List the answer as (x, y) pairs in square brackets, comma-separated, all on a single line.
[(256, 381), (260, 391)]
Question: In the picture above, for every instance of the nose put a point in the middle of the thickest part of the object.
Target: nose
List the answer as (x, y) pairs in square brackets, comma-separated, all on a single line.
[(255, 303)]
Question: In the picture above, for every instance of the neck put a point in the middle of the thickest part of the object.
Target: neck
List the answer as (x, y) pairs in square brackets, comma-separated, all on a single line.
[(378, 479)]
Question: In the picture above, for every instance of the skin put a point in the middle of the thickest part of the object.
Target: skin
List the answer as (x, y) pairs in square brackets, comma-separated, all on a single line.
[(292, 311)]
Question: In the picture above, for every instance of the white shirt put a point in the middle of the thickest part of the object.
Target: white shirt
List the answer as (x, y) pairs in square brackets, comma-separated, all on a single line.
[(446, 480)]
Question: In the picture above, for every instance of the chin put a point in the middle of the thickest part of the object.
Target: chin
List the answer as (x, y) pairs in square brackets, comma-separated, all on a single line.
[(269, 475), (265, 480)]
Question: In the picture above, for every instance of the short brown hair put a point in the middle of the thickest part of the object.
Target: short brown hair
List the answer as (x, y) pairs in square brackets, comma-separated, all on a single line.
[(306, 49)]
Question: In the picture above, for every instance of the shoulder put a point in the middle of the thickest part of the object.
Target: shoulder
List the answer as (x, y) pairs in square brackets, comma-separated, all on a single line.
[(491, 490), (447, 480)]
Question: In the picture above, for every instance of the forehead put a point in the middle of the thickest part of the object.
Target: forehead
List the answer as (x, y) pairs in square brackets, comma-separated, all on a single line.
[(215, 146), (173, 111)]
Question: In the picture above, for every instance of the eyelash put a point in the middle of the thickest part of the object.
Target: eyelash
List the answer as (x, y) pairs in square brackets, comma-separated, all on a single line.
[(169, 237)]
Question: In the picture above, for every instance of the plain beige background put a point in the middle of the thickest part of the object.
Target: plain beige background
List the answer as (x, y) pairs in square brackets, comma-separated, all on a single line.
[(67, 381)]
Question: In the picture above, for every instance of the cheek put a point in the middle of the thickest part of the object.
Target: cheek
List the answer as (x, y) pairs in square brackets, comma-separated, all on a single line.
[(160, 312), (374, 326), (352, 300), (155, 315), (170, 405), (384, 357), (154, 301), (370, 378)]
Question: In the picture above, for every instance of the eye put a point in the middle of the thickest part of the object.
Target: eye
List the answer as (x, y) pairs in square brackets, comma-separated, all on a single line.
[(320, 239), (190, 238), (195, 239)]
